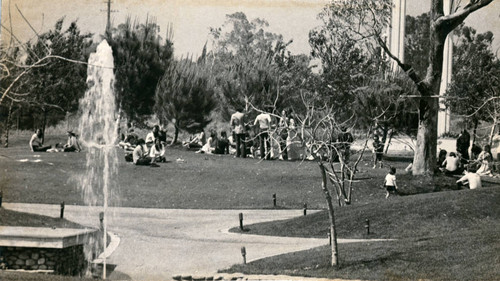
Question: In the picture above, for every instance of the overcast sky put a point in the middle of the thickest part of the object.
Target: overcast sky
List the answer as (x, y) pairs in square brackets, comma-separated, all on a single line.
[(191, 19)]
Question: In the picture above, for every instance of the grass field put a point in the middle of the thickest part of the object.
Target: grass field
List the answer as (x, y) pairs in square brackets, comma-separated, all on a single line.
[(439, 232), (199, 182), (437, 236)]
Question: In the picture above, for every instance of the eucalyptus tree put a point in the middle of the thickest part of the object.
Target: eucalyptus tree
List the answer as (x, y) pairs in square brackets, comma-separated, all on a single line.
[(367, 20)]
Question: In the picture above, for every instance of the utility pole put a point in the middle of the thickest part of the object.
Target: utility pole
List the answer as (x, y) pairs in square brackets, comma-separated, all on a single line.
[(108, 22)]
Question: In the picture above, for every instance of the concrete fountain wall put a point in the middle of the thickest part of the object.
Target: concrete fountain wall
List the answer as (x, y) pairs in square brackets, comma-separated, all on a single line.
[(61, 251)]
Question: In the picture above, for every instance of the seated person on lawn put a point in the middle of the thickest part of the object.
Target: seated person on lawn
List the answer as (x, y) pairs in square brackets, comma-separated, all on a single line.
[(72, 145), (152, 136), (130, 141), (451, 164), (196, 141), (222, 145), (209, 146), (140, 156), (157, 151), (471, 180), (36, 142)]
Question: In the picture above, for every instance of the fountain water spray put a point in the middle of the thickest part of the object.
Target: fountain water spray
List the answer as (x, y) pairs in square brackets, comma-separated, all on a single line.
[(98, 132)]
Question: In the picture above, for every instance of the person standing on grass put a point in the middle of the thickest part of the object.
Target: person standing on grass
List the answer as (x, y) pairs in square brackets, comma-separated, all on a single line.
[(36, 142), (264, 121), (471, 180), (378, 152), (237, 124), (283, 134), (140, 156), (344, 140), (463, 143), (390, 182)]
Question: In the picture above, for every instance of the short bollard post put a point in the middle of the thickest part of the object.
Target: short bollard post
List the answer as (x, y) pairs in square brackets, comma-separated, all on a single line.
[(61, 215), (274, 199), (329, 237), (101, 220), (1, 199), (305, 209), (367, 226), (244, 254), (241, 221)]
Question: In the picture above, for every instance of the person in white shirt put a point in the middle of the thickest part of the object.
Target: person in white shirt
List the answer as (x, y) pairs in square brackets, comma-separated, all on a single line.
[(470, 179), (157, 151), (151, 136), (451, 164), (72, 145), (237, 124), (140, 156), (264, 122), (390, 182)]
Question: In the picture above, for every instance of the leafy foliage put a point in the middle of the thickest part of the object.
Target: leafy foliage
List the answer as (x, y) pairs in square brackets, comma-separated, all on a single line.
[(57, 83), (141, 57), (185, 96), (475, 75), (416, 42), (252, 65)]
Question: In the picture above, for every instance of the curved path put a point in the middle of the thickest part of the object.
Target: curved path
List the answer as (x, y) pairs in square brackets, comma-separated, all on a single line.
[(159, 243)]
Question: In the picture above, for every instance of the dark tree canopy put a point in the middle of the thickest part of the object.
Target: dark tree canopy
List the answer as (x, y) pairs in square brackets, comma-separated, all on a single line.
[(141, 57), (185, 96), (57, 83), (475, 76)]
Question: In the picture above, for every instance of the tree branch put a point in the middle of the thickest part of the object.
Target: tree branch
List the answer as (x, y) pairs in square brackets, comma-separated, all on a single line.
[(451, 21)]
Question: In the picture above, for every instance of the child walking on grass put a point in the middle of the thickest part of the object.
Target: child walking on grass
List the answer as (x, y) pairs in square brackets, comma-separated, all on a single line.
[(390, 182)]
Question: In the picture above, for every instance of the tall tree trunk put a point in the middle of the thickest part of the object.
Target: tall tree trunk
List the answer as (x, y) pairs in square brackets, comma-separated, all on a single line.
[(176, 132), (424, 161), (44, 124), (7, 126), (492, 132), (331, 215), (474, 133)]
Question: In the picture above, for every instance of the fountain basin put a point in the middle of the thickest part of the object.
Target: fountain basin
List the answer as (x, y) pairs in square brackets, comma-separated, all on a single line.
[(43, 237), (60, 250)]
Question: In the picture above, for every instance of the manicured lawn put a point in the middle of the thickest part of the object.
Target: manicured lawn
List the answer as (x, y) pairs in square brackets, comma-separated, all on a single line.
[(19, 276), (13, 218), (439, 232), (200, 181), (438, 236)]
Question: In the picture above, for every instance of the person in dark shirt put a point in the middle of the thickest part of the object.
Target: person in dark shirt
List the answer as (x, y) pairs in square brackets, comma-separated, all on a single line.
[(344, 140), (222, 144)]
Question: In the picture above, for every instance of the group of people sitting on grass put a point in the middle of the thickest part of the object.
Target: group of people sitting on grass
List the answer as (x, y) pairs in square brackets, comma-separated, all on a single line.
[(212, 145), (455, 163), (144, 152), (263, 139), (36, 143)]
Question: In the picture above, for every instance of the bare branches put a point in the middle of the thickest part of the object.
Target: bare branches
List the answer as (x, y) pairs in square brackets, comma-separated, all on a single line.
[(453, 20)]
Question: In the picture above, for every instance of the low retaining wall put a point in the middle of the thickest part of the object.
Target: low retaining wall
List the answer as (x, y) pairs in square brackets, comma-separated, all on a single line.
[(66, 261)]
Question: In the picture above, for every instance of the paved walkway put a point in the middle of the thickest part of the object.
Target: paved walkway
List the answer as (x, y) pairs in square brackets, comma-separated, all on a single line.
[(156, 244)]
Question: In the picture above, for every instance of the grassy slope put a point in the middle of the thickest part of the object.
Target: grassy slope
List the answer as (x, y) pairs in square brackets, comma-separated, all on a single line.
[(19, 276), (13, 218), (439, 236)]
